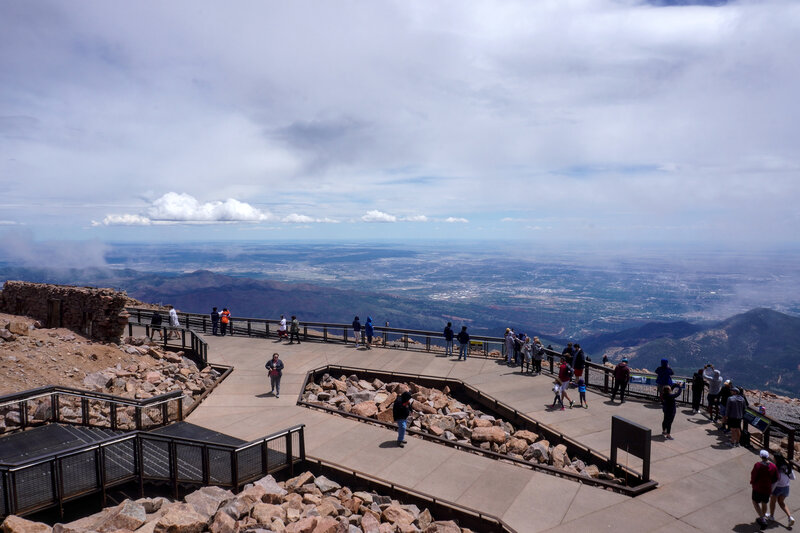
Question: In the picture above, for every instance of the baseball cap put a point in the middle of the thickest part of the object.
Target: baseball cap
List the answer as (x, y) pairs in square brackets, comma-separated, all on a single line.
[(764, 454)]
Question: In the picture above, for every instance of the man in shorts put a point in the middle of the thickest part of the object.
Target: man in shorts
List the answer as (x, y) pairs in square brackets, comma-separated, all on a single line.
[(565, 374), (734, 413), (763, 475)]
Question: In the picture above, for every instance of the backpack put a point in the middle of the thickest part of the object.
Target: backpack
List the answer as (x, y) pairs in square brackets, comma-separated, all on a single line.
[(570, 372)]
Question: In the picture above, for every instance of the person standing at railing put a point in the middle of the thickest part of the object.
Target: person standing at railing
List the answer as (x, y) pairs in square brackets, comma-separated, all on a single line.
[(668, 406), (509, 340), (155, 325), (282, 328), (463, 343), (568, 353), (294, 329), (734, 413), (527, 353), (369, 331), (173, 322), (714, 378), (538, 355), (622, 374), (698, 385), (275, 370), (225, 318), (579, 361), (663, 376), (214, 321), (356, 330), (448, 339)]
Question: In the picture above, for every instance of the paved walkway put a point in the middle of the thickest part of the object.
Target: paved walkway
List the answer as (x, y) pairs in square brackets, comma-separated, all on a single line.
[(703, 485)]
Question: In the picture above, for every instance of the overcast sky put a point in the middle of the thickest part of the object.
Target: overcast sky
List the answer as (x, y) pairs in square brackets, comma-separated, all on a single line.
[(563, 120)]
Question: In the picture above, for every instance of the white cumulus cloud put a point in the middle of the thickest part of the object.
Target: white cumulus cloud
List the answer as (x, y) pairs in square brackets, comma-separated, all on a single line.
[(124, 220), (417, 218), (182, 208), (378, 216), (456, 220)]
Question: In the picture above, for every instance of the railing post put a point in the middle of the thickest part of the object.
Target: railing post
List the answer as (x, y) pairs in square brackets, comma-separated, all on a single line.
[(57, 479), (289, 455), (204, 324), (235, 471), (130, 329), (164, 414), (264, 458), (183, 338), (85, 411), (324, 334), (428, 343), (551, 358), (54, 411), (205, 466), (113, 415), (344, 335), (385, 338), (605, 381), (405, 340), (180, 408), (101, 472), (173, 468), (305, 332), (266, 328), (249, 332), (302, 444), (486, 348), (138, 417)]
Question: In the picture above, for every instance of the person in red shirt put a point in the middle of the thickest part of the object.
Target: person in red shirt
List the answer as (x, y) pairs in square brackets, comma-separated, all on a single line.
[(564, 375), (763, 475)]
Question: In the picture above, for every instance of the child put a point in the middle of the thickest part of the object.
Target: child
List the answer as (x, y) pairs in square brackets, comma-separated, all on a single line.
[(582, 393), (557, 392)]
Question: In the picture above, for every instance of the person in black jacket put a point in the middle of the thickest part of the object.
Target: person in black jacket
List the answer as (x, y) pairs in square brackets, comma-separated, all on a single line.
[(155, 323), (400, 412), (668, 406), (448, 339), (463, 341), (698, 385), (275, 369), (214, 321)]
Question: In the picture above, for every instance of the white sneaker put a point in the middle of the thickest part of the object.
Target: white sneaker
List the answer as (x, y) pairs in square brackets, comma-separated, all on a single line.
[(768, 517), (791, 521)]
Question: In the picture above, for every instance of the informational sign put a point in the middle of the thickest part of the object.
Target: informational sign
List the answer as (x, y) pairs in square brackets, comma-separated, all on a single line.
[(755, 419), (645, 379)]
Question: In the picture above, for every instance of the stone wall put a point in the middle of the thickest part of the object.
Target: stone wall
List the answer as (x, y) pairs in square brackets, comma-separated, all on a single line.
[(97, 313)]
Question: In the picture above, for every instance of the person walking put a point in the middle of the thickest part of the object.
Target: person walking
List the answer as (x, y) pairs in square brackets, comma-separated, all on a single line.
[(448, 339), (214, 321), (463, 343), (225, 319), (369, 331), (734, 413), (275, 370), (356, 330), (622, 374), (173, 323), (538, 355), (663, 376), (155, 326), (698, 385), (714, 378), (780, 489), (565, 374), (669, 408), (294, 328), (401, 409), (282, 333), (763, 475)]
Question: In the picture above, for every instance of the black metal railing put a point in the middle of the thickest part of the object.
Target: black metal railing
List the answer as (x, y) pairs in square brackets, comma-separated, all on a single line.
[(52, 480), (58, 404), (173, 338)]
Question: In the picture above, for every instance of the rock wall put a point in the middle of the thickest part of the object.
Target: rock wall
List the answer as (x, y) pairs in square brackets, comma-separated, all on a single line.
[(97, 313)]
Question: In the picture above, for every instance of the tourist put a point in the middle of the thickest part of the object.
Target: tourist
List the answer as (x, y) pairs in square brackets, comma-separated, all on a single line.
[(663, 376), (557, 393), (565, 374), (698, 385), (282, 333), (568, 352), (622, 374), (448, 339), (295, 330), (214, 321), (669, 408), (155, 325), (369, 331), (225, 320), (527, 353), (605, 359), (174, 323), (519, 338), (509, 340), (714, 386), (400, 412), (724, 394), (463, 343), (538, 355), (780, 489), (579, 361), (356, 330), (275, 370), (582, 393), (763, 475), (734, 413)]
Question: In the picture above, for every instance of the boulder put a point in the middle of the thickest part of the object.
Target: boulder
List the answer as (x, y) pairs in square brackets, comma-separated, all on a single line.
[(18, 328), (424, 519), (304, 525), (537, 452), (560, 457), (489, 434), (206, 501), (223, 523), (591, 471), (180, 518), (15, 524), (127, 515), (370, 524), (394, 514), (526, 435), (265, 513), (447, 526), (298, 481), (96, 381), (481, 423), (517, 446), (365, 408), (387, 415), (326, 485), (328, 524)]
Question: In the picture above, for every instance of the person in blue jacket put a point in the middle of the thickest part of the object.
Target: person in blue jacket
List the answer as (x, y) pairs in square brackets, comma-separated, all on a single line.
[(663, 376), (369, 331)]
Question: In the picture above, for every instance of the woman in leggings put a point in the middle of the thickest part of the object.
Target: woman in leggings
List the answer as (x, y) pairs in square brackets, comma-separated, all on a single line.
[(668, 406)]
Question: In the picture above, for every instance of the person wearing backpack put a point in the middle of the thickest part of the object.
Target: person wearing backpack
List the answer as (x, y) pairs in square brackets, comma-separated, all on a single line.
[(401, 409), (565, 374), (275, 370), (538, 355)]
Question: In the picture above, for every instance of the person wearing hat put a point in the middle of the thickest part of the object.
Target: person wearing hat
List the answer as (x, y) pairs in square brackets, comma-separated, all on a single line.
[(400, 412), (763, 475), (622, 374)]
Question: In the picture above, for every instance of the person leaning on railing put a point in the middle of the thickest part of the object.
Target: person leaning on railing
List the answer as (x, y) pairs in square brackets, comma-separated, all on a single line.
[(621, 376)]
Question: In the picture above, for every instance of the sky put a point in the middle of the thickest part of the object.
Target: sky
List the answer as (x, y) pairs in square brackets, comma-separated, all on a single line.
[(604, 121)]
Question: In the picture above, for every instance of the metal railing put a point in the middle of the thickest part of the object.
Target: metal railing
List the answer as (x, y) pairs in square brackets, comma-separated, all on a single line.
[(58, 404), (55, 479), (172, 338)]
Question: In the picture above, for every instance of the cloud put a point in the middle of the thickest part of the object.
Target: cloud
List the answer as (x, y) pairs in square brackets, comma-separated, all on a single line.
[(416, 218), (175, 208), (8, 223), (295, 218), (378, 216), (20, 247), (456, 220)]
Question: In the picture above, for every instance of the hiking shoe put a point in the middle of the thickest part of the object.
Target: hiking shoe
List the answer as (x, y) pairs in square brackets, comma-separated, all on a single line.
[(791, 521), (571, 403), (401, 443)]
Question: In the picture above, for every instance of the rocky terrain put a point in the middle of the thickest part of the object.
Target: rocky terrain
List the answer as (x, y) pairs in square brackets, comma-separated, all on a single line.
[(436, 412), (303, 504), (32, 357)]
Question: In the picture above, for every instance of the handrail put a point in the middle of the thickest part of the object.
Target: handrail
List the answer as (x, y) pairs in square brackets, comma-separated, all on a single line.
[(40, 392)]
